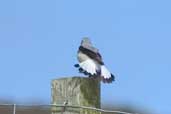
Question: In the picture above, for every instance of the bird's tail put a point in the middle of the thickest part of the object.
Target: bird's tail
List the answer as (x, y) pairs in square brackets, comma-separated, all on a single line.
[(106, 76)]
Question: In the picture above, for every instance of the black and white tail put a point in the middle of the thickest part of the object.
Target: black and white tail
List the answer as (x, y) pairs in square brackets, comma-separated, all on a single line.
[(106, 76), (88, 67)]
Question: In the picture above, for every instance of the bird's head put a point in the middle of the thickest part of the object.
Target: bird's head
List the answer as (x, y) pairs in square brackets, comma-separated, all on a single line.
[(86, 41)]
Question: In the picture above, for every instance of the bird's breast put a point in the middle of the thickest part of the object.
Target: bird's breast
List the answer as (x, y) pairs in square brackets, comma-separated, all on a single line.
[(82, 57)]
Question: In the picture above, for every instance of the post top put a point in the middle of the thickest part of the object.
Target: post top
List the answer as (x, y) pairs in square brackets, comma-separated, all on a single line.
[(71, 77)]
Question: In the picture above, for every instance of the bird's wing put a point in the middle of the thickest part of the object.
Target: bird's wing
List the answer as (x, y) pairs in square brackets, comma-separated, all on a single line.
[(93, 55)]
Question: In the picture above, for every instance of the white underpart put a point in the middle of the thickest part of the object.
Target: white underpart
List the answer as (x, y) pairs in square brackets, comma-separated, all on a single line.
[(89, 66), (105, 72)]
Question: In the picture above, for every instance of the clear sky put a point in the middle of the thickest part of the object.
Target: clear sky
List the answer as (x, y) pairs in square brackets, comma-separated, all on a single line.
[(39, 41)]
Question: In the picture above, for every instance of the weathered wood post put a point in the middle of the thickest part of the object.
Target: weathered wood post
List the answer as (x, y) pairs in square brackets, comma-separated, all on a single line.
[(78, 91)]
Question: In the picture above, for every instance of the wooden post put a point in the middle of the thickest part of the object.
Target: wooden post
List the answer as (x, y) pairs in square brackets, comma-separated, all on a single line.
[(78, 91)]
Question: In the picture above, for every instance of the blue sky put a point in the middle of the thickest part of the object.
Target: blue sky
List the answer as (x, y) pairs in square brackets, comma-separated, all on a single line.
[(39, 41)]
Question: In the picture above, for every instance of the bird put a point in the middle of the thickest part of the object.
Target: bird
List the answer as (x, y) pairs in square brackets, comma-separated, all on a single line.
[(91, 62)]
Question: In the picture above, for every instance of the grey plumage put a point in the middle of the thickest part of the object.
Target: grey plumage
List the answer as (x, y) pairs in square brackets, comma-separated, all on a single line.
[(86, 43)]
